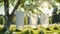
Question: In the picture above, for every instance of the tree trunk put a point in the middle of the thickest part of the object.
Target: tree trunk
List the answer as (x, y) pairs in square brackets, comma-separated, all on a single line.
[(15, 8), (6, 9), (8, 18)]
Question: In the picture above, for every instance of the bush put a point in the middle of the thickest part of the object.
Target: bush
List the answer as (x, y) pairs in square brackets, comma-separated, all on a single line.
[(26, 32), (41, 32), (25, 20), (48, 29), (55, 28), (32, 32), (1, 20)]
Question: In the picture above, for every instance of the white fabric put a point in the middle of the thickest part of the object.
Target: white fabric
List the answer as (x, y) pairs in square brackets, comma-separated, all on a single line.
[(33, 22), (19, 20), (44, 20)]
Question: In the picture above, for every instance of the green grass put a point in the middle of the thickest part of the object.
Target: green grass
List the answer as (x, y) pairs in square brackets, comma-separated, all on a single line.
[(27, 29)]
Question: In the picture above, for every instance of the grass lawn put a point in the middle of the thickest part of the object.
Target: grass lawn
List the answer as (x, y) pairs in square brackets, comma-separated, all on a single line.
[(28, 30)]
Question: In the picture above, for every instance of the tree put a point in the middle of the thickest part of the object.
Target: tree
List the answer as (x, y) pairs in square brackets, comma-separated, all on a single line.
[(30, 6), (6, 9), (2, 19), (8, 18)]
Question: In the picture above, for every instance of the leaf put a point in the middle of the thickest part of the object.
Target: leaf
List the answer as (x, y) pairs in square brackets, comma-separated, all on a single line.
[(57, 1)]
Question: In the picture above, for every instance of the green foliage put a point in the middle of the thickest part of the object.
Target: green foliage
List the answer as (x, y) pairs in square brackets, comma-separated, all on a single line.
[(26, 20), (1, 1), (32, 31), (14, 20), (50, 20), (55, 28), (13, 2), (41, 32), (1, 20), (26, 32), (1, 4), (57, 1), (48, 29)]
